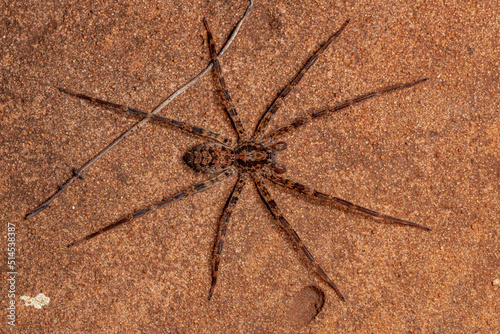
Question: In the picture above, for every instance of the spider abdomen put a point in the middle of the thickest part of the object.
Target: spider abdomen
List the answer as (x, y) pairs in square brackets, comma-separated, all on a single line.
[(209, 158)]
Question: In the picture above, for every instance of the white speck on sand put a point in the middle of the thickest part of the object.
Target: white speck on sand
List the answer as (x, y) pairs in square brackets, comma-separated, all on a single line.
[(37, 302)]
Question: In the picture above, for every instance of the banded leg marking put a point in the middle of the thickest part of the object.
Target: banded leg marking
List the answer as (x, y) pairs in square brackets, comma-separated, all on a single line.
[(193, 129), (183, 194), (228, 101), (327, 112), (266, 118), (276, 212), (303, 189), (222, 230)]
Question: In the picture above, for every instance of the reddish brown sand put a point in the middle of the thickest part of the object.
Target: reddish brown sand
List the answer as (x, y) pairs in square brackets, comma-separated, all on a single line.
[(429, 154)]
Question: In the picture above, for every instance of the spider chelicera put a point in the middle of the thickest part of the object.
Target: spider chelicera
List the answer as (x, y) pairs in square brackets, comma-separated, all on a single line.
[(250, 158)]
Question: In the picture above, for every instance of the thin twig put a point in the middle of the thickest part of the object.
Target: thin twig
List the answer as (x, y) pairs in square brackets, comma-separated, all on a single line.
[(77, 173)]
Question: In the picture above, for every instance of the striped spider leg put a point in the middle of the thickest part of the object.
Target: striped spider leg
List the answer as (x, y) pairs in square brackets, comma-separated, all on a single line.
[(188, 128), (271, 111), (276, 212), (228, 102), (167, 200), (306, 190), (222, 229), (271, 137)]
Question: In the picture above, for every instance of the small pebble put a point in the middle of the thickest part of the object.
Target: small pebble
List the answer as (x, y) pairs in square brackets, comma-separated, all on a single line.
[(37, 302), (496, 282)]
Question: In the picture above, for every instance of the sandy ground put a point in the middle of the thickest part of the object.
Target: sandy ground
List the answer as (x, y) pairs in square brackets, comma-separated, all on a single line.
[(429, 154)]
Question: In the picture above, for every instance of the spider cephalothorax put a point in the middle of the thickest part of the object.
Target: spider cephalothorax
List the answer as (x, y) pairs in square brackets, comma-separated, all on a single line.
[(251, 159)]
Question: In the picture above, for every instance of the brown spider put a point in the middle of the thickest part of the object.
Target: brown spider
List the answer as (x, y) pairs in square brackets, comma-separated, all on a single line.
[(254, 157)]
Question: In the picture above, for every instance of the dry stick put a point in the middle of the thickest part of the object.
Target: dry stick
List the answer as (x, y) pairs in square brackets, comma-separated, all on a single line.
[(77, 173)]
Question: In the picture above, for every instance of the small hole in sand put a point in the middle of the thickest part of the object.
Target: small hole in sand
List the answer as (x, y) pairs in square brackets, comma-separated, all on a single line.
[(306, 305)]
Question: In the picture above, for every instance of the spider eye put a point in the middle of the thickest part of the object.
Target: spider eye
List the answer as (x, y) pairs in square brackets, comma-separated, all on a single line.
[(279, 146), (278, 168)]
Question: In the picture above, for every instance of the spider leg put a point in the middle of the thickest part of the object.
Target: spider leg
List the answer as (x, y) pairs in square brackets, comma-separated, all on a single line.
[(228, 101), (193, 129), (185, 193), (327, 112), (303, 189), (275, 211), (174, 95), (268, 115), (222, 229)]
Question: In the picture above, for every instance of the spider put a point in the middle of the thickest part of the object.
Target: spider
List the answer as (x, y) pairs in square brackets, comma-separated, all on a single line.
[(251, 158)]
